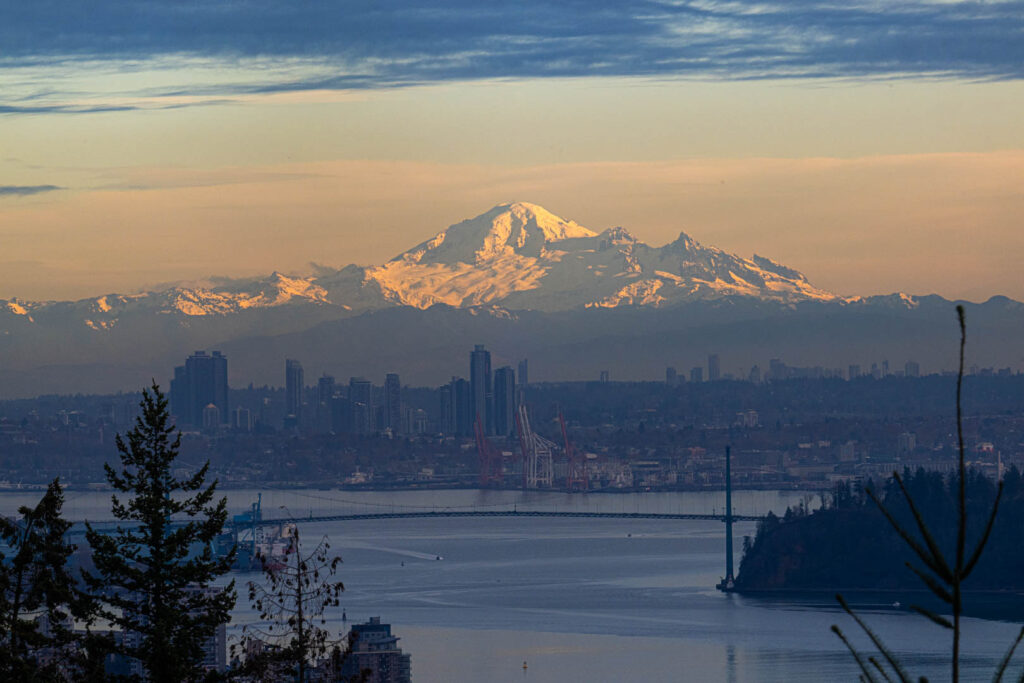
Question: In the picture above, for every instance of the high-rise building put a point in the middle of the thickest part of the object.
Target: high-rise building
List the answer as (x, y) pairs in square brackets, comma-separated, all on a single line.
[(294, 383), (714, 368), (912, 369), (671, 378), (393, 403), (462, 402), (853, 372), (504, 400), (697, 374), (325, 390), (481, 387), (605, 376), (524, 381), (447, 425), (755, 375), (376, 651), (201, 382), (360, 396)]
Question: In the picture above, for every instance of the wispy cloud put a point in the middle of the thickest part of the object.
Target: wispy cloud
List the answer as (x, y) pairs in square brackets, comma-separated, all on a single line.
[(364, 44), (26, 190)]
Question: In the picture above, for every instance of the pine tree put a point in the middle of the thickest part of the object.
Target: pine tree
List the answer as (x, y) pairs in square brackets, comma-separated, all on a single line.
[(35, 582), (147, 582)]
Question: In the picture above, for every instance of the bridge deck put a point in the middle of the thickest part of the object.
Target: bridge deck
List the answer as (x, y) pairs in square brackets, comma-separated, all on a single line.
[(442, 514)]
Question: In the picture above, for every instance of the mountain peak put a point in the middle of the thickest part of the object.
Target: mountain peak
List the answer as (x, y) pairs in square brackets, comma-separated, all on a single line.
[(507, 229)]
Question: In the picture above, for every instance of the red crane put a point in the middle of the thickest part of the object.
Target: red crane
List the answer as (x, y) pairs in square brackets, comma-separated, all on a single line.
[(490, 458), (576, 470)]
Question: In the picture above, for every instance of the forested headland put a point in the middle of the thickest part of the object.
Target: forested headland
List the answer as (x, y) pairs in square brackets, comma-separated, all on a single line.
[(847, 544)]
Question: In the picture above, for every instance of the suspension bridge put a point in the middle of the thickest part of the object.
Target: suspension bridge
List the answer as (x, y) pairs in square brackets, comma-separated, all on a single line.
[(331, 509)]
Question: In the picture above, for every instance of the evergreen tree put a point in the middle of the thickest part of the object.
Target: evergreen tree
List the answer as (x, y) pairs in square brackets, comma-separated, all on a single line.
[(150, 581), (38, 598)]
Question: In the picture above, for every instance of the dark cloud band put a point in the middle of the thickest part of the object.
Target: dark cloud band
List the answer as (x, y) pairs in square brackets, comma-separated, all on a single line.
[(374, 43), (26, 190)]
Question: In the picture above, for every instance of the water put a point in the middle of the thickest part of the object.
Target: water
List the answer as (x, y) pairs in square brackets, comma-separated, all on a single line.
[(584, 599)]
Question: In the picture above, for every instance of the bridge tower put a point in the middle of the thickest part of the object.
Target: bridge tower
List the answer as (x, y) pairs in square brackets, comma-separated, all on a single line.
[(728, 582)]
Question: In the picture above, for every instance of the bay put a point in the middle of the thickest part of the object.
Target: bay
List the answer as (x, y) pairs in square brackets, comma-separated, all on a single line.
[(582, 599)]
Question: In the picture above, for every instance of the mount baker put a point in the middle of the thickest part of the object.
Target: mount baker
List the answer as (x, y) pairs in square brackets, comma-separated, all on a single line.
[(517, 266)]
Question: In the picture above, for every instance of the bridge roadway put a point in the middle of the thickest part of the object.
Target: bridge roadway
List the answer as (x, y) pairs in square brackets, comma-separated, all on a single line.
[(427, 514), (442, 513)]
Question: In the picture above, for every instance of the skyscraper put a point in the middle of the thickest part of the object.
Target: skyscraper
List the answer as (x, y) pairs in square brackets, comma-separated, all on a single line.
[(912, 369), (360, 396), (524, 381), (697, 374), (462, 402), (201, 382), (294, 382), (447, 409), (325, 390), (714, 368), (670, 376), (480, 386), (393, 403), (504, 400)]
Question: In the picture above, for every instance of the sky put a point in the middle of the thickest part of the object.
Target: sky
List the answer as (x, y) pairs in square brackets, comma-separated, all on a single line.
[(874, 146)]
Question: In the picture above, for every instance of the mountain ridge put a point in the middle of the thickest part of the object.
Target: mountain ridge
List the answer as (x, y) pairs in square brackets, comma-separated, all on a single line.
[(517, 272), (518, 255)]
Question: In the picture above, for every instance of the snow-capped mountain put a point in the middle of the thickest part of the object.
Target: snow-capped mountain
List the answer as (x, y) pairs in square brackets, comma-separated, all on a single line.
[(523, 257), (516, 275), (518, 256)]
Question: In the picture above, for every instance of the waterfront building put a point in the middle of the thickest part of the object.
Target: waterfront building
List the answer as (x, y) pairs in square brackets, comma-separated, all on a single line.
[(375, 649)]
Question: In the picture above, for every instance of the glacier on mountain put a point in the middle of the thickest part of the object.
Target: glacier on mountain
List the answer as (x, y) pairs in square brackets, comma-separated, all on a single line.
[(516, 256)]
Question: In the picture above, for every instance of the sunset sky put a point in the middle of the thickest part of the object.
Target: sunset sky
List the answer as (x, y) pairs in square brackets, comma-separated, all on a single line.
[(875, 146)]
